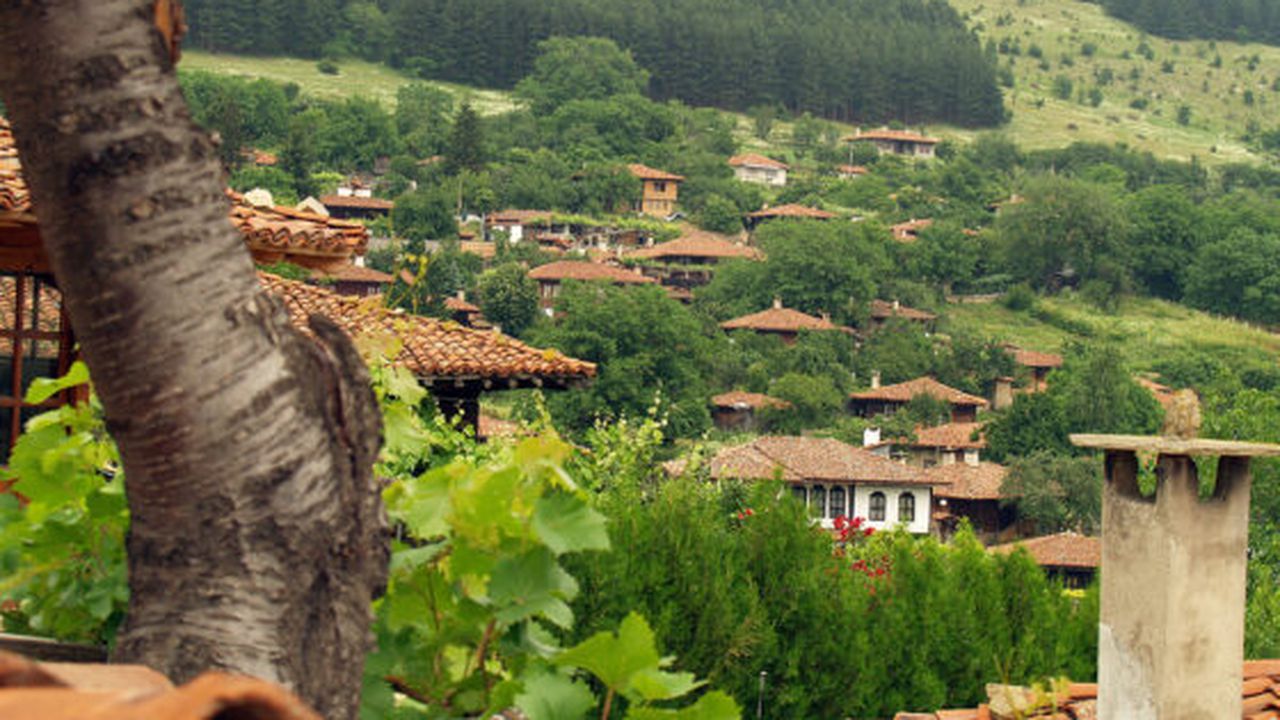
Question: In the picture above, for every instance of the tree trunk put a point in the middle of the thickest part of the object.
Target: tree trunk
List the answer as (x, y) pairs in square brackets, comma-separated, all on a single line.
[(257, 540)]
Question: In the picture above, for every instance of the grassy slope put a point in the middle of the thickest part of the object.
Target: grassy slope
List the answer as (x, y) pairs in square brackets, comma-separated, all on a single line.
[(1146, 329), (356, 77), (1061, 27)]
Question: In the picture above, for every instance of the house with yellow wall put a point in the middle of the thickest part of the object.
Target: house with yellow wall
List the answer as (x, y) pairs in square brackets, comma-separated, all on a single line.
[(661, 190)]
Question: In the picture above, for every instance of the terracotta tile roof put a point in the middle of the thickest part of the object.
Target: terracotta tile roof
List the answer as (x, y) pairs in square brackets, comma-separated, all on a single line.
[(678, 293), (754, 160), (430, 348), (644, 172), (579, 270), (15, 198), (811, 459), (699, 244), (354, 273), (852, 170), (961, 481), (297, 232), (892, 135), (739, 400), (903, 392), (956, 435), (457, 304), (357, 203), (485, 250), (791, 210), (1163, 393), (906, 232), (57, 691), (778, 319), (1259, 689), (881, 310), (1066, 549), (519, 217), (1033, 358)]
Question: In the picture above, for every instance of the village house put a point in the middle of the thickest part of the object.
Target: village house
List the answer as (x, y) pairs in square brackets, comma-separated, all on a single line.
[(897, 142), (883, 311), (833, 479), (690, 260), (355, 201), (464, 312), (1069, 556), (909, 231), (356, 280), (948, 444), (783, 322), (972, 492), (891, 398), (789, 211), (517, 224), (1039, 364), (851, 172), (659, 190), (758, 169), (457, 364), (738, 411), (552, 276)]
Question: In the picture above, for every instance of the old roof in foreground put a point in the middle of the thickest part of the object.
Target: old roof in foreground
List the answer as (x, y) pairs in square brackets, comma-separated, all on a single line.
[(62, 691), (805, 459), (430, 348), (905, 391), (1079, 701), (1065, 549)]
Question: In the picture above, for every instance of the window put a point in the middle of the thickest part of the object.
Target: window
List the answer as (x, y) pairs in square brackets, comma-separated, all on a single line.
[(836, 505), (877, 507), (817, 500), (659, 187), (35, 341), (906, 507), (798, 492)]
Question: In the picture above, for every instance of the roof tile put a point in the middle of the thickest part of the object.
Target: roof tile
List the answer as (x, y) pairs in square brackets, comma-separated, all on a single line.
[(755, 160), (905, 391), (738, 399), (778, 319), (699, 244), (881, 309), (811, 459), (644, 172), (791, 210), (962, 481), (580, 270), (1065, 549)]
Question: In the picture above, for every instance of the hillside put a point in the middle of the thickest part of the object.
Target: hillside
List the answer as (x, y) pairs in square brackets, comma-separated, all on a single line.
[(1147, 330), (1218, 92), (355, 77)]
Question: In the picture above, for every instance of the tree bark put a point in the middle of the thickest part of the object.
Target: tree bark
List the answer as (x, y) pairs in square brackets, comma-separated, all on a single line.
[(257, 537)]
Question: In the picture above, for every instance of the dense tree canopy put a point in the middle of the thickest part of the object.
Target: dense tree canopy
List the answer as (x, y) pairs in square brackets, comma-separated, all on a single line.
[(857, 60), (1243, 20)]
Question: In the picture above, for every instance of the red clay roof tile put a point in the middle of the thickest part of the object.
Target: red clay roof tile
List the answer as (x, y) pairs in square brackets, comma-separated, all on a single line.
[(430, 348), (699, 244), (778, 319), (754, 160), (904, 392), (892, 135), (882, 310), (810, 459), (738, 399), (791, 210), (962, 481), (1034, 358), (644, 172), (579, 270), (955, 435), (1065, 549), (356, 203)]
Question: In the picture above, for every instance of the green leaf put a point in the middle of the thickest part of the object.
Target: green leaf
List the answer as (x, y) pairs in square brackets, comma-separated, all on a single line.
[(44, 388), (549, 695), (410, 559), (655, 684), (567, 524), (712, 706), (616, 659), (532, 585)]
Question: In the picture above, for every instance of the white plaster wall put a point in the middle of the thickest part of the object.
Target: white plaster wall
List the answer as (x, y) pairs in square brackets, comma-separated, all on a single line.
[(924, 506)]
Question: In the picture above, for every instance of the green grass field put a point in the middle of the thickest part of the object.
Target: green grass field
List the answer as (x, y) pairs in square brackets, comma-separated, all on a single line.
[(1215, 92), (1146, 329), (355, 77)]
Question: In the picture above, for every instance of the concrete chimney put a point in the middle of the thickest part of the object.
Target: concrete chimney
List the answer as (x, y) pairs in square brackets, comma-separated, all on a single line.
[(777, 303), (1171, 635), (870, 436), (875, 379), (1002, 395)]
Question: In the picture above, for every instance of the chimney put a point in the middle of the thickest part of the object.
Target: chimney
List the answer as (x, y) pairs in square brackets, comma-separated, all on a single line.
[(1171, 632), (777, 303), (826, 317), (875, 379), (462, 295), (1002, 395), (897, 306), (870, 436)]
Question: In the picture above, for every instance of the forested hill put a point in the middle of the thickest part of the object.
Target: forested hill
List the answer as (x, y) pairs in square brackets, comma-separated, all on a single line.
[(851, 60), (1242, 20)]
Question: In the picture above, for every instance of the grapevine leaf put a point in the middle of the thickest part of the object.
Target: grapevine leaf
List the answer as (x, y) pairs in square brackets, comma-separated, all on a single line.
[(713, 706), (567, 524), (655, 684), (44, 388), (530, 585), (550, 695), (616, 659)]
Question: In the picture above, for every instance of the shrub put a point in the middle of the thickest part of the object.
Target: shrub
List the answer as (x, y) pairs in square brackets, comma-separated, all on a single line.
[(1019, 298), (328, 67)]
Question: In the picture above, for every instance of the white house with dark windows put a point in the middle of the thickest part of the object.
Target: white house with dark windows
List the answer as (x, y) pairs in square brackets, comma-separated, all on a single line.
[(834, 479)]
